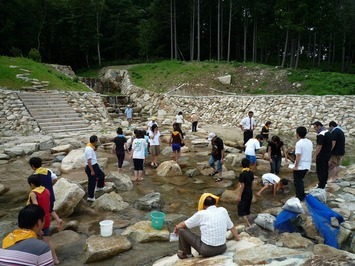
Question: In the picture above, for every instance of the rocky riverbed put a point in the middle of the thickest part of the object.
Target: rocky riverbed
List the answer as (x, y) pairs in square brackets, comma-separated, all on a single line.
[(172, 188)]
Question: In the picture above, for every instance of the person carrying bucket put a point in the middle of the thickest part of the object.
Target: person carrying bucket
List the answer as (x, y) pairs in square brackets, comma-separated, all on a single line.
[(213, 222)]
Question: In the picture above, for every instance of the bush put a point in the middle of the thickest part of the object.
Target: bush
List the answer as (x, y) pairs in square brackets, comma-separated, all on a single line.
[(35, 55)]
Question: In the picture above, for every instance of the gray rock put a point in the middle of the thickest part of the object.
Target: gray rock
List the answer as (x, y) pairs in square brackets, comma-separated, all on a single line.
[(100, 248), (143, 232), (120, 180), (3, 189), (110, 202), (152, 201), (67, 196), (169, 168)]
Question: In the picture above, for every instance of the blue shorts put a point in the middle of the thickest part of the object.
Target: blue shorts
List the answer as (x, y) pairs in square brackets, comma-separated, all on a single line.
[(176, 147), (251, 158)]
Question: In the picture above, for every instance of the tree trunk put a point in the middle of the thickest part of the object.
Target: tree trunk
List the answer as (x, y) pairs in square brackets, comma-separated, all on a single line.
[(40, 28), (219, 31), (343, 54), (314, 49), (254, 40), (285, 50), (221, 24), (192, 32), (210, 30), (298, 50), (292, 53), (98, 35), (175, 33), (229, 29), (320, 50), (245, 36), (198, 31), (171, 31)]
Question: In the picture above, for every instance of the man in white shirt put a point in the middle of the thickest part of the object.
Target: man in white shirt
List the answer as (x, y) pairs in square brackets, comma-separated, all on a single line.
[(247, 125), (303, 151), (92, 169), (251, 146), (272, 180), (213, 222)]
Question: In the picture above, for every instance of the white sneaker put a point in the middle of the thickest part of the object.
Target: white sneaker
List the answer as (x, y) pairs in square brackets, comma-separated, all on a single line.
[(99, 188), (90, 199)]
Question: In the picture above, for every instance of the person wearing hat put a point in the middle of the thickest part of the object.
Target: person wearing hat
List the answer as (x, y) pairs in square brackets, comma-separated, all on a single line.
[(194, 121), (213, 222), (217, 155), (265, 131), (151, 123), (129, 112), (322, 153)]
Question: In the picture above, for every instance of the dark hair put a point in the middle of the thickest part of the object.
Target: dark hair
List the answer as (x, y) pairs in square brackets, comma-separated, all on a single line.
[(250, 112), (135, 131), (119, 131), (302, 132), (259, 137), (276, 139), (245, 162), (180, 113), (318, 124), (154, 126), (268, 123), (140, 134), (333, 124), (176, 127), (34, 179), (284, 181), (29, 216), (36, 162), (209, 201), (93, 139)]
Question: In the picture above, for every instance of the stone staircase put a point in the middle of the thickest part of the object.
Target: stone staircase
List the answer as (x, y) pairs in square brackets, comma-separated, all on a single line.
[(53, 113)]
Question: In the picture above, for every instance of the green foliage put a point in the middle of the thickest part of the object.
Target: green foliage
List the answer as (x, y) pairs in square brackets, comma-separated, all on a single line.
[(315, 82), (11, 66), (35, 55)]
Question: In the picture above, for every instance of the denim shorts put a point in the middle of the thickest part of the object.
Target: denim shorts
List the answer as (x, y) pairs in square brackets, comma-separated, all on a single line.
[(251, 158)]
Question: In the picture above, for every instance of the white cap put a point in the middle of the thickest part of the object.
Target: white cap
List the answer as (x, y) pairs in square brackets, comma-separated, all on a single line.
[(211, 136)]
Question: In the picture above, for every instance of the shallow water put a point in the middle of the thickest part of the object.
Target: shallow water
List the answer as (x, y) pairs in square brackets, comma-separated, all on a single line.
[(180, 195)]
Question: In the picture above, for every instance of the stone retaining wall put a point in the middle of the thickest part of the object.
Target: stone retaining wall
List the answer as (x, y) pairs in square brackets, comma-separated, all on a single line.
[(16, 120), (286, 112)]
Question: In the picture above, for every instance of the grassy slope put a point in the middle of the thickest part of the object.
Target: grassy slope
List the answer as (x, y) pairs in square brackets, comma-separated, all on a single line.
[(39, 71), (247, 78)]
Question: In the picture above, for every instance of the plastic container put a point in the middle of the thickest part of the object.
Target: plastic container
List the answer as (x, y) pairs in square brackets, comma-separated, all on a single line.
[(106, 227), (157, 219)]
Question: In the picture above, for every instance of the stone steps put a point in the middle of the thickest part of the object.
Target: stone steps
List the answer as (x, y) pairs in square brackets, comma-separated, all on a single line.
[(53, 113)]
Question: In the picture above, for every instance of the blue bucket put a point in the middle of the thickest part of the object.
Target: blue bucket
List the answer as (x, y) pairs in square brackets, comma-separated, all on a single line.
[(157, 219)]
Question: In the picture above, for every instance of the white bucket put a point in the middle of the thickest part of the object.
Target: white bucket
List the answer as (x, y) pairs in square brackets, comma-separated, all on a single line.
[(106, 227)]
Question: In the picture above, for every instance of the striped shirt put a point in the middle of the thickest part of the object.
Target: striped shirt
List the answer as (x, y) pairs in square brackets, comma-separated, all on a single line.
[(29, 252), (213, 222)]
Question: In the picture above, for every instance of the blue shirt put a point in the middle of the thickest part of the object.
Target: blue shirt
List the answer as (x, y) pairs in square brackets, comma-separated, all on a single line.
[(128, 112)]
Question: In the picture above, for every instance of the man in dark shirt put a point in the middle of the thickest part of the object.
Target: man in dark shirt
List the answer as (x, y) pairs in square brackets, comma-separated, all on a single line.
[(217, 155), (323, 150), (338, 150)]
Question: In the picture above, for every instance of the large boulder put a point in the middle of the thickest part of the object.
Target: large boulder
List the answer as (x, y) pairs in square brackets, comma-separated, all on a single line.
[(3, 189), (100, 248), (121, 181), (110, 202), (64, 238), (74, 160), (169, 168), (67, 196), (62, 148), (143, 232)]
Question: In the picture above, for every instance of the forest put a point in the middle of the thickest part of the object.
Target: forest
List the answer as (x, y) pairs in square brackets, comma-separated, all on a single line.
[(90, 33)]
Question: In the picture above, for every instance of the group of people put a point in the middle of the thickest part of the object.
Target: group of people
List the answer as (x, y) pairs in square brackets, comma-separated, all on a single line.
[(22, 246)]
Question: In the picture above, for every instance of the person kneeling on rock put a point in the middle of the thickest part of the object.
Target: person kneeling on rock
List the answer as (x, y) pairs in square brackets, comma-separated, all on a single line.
[(213, 222)]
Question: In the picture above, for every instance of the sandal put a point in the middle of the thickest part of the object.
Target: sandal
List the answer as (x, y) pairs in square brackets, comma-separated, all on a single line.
[(218, 180), (213, 173)]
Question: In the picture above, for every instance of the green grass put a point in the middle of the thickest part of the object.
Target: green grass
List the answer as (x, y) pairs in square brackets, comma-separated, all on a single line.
[(316, 82), (38, 71), (164, 75)]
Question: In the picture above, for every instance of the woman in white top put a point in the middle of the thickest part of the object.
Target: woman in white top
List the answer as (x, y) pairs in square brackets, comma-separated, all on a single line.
[(179, 119), (154, 140), (138, 155)]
